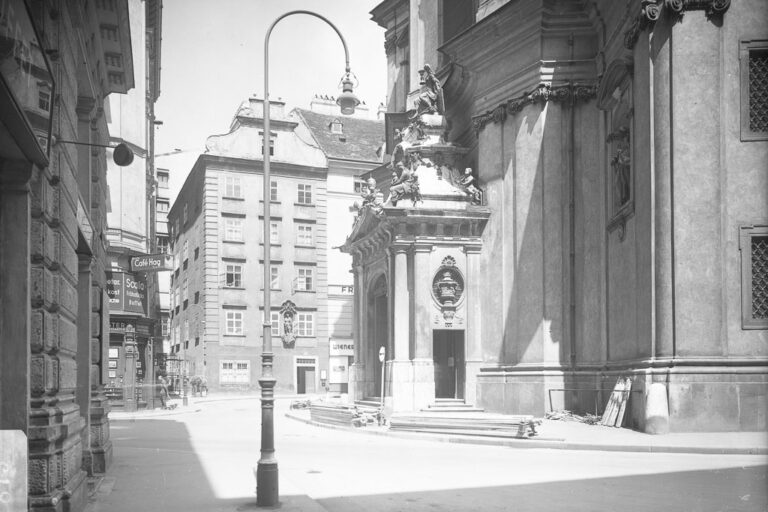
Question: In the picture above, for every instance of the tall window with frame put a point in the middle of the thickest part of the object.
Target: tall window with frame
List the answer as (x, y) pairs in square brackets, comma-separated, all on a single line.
[(234, 323), (233, 229), (232, 187), (306, 323), (185, 291), (304, 235), (304, 279), (753, 57), (304, 193), (753, 245), (274, 272), (274, 322), (274, 232), (273, 191), (234, 275)]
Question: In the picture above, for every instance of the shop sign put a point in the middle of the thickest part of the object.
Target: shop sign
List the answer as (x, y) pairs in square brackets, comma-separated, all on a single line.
[(338, 370), (341, 348), (26, 73), (127, 293), (152, 263), (120, 326)]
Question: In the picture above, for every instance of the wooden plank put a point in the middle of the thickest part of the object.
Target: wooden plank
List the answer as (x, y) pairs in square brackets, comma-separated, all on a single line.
[(623, 405), (611, 405)]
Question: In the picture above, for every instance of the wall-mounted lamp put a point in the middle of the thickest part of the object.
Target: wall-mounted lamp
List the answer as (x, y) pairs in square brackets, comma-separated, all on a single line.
[(122, 154)]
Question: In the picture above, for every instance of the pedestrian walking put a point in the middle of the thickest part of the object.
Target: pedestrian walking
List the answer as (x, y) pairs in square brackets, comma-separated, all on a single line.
[(163, 392)]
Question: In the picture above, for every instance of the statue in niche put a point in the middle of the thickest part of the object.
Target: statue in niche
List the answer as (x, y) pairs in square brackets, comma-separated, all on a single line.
[(288, 312), (429, 101), (405, 182), (621, 163), (468, 182)]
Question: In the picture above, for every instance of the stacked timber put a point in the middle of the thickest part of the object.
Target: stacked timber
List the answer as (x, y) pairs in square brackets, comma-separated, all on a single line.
[(467, 423), (339, 414), (615, 409)]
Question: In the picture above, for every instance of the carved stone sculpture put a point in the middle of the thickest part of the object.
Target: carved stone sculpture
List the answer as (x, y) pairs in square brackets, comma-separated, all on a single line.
[(430, 101), (288, 313), (468, 182)]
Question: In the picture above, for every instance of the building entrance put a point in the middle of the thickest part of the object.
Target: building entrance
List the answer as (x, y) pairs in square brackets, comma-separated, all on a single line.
[(448, 355), (306, 369), (378, 330)]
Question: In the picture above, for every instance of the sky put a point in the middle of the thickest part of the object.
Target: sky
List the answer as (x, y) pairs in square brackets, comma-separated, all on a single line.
[(213, 59)]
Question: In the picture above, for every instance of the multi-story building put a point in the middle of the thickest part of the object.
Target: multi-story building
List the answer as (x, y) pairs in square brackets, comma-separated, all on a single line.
[(60, 64), (162, 206), (134, 295), (622, 153), (216, 232)]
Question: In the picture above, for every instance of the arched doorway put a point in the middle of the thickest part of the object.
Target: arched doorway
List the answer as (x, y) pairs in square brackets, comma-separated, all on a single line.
[(378, 329)]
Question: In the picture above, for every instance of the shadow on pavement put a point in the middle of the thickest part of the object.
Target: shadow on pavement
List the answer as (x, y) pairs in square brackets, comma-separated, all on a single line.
[(690, 491)]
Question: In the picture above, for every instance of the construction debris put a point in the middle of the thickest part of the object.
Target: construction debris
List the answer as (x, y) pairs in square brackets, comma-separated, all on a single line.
[(564, 415), (470, 424)]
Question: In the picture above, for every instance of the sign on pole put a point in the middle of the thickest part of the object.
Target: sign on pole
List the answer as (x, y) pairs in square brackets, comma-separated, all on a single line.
[(151, 263)]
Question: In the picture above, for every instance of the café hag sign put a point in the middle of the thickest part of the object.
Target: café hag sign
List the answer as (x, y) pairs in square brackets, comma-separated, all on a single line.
[(151, 263)]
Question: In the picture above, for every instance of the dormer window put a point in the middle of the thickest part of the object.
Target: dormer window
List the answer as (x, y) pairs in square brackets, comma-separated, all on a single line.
[(336, 127)]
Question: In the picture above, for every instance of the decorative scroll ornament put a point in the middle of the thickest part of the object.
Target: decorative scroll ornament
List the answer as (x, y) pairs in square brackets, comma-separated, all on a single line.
[(573, 93), (288, 316), (447, 289), (650, 11)]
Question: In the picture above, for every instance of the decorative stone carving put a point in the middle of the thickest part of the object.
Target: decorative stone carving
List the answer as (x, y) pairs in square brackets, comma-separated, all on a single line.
[(468, 182), (447, 289), (288, 317), (430, 100), (573, 93), (372, 197), (390, 44), (650, 11)]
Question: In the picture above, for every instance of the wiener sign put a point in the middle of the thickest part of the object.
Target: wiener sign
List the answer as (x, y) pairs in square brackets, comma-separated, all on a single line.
[(341, 347), (151, 263), (127, 292)]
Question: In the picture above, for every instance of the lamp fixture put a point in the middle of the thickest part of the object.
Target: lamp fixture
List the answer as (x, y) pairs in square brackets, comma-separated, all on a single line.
[(347, 100)]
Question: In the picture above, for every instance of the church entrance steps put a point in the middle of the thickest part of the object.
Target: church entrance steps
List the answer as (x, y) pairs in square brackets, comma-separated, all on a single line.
[(451, 405)]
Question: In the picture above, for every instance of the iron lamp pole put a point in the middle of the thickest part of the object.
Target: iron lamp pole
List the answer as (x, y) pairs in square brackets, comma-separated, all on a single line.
[(267, 494)]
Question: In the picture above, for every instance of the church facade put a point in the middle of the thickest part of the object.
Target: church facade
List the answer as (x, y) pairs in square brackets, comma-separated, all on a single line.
[(617, 222)]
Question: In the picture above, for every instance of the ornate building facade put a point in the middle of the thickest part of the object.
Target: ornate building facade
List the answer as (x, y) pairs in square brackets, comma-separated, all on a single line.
[(216, 228), (619, 152), (61, 61), (133, 294)]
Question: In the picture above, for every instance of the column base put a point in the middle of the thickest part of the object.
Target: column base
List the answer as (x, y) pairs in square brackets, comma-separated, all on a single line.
[(471, 369), (402, 387), (423, 383), (356, 389)]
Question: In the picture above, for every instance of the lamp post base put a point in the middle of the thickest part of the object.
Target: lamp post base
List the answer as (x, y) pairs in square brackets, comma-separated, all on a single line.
[(267, 494)]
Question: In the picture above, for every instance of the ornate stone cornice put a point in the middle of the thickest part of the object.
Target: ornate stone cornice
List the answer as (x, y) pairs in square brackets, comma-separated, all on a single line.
[(650, 11), (570, 93)]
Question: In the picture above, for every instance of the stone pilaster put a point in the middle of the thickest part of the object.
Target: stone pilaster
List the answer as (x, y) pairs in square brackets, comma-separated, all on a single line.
[(423, 363), (474, 331), (357, 369), (401, 367), (14, 294)]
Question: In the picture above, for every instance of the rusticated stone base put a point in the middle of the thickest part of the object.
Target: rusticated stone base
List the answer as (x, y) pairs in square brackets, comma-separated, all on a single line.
[(700, 398), (56, 479), (100, 452)]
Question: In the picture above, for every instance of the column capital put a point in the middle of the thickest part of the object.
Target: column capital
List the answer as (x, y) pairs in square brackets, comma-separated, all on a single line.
[(400, 247), (472, 249), (422, 247)]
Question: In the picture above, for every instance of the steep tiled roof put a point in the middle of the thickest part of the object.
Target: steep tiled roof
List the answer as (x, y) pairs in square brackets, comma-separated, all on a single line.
[(359, 141)]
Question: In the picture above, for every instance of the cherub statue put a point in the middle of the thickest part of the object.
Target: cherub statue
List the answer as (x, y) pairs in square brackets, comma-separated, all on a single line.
[(468, 181)]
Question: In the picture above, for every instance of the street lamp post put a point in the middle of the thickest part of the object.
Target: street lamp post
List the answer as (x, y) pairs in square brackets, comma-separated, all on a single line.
[(266, 472)]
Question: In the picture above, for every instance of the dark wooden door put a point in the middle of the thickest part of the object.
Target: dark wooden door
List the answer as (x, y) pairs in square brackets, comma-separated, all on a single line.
[(448, 356)]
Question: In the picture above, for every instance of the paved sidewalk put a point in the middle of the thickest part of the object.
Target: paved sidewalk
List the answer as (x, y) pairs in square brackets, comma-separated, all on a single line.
[(556, 434)]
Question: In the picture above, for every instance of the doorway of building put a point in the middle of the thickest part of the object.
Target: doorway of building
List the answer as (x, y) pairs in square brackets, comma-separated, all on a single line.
[(378, 330), (448, 356), (306, 370)]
